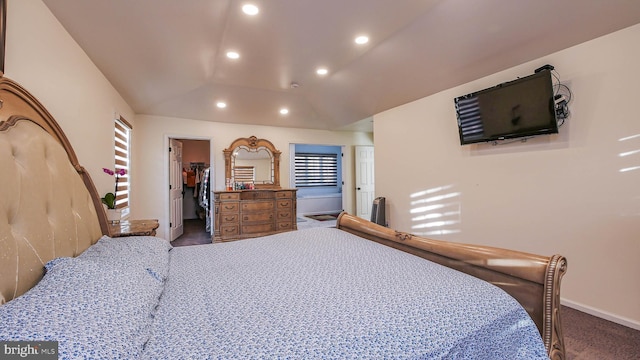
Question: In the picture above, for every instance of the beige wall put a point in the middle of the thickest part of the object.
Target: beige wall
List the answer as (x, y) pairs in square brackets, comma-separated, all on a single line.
[(563, 193), (42, 57), (151, 136)]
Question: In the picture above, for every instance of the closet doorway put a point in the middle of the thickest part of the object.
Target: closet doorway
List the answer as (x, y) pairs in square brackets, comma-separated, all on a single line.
[(191, 176)]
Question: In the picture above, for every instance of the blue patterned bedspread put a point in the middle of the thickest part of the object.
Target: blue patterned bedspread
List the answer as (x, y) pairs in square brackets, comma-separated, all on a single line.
[(324, 293)]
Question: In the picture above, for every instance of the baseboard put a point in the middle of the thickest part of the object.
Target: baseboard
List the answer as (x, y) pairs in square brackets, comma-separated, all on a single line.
[(601, 314)]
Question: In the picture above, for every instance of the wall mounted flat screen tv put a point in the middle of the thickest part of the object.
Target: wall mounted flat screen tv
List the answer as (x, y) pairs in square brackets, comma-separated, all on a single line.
[(520, 108)]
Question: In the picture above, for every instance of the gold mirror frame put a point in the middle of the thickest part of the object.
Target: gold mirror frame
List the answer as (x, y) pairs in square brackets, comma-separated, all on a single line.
[(253, 143)]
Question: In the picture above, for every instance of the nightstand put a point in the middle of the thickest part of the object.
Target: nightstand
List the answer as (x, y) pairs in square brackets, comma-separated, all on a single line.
[(134, 228)]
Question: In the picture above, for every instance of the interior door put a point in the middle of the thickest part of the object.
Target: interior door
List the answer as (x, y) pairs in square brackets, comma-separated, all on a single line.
[(176, 189), (365, 185)]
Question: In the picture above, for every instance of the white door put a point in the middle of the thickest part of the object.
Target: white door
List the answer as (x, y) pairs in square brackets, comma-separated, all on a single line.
[(176, 189), (365, 186)]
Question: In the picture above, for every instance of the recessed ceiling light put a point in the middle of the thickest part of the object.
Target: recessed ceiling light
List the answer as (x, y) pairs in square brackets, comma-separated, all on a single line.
[(250, 9), (233, 55), (284, 111), (221, 104), (362, 39), (322, 71)]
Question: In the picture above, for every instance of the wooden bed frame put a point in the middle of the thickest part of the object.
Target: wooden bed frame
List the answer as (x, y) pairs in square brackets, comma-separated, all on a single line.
[(57, 212), (533, 280)]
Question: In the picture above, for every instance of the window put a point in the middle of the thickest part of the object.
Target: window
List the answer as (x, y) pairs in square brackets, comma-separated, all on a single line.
[(122, 159), (313, 169)]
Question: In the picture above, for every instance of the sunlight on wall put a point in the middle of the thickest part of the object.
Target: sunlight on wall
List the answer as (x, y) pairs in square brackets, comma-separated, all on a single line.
[(631, 158), (629, 153), (435, 211)]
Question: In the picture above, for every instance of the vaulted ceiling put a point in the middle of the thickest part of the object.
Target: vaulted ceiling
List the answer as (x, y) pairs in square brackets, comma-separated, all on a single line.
[(168, 57)]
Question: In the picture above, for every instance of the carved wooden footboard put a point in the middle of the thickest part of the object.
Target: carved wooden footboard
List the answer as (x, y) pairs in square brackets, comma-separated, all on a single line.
[(533, 280)]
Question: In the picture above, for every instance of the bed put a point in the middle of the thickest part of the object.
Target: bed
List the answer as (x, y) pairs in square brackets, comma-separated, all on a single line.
[(358, 290)]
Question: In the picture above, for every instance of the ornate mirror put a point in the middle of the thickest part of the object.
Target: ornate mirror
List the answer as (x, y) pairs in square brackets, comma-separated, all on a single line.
[(253, 160)]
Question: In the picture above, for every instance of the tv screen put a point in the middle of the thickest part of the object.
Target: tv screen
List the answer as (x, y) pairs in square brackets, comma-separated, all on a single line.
[(519, 108)]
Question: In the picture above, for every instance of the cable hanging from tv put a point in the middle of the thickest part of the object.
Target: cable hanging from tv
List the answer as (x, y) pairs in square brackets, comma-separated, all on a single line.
[(561, 94), (562, 97)]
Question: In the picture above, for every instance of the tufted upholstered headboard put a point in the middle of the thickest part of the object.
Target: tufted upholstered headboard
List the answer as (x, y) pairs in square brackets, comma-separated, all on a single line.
[(49, 206)]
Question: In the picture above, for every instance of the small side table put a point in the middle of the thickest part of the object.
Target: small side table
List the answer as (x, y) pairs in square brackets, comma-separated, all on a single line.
[(134, 228)]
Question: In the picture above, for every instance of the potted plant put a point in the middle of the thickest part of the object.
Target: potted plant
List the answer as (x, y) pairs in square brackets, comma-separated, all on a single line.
[(109, 199)]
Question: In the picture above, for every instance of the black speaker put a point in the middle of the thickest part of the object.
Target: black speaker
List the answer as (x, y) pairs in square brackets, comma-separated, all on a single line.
[(377, 212)]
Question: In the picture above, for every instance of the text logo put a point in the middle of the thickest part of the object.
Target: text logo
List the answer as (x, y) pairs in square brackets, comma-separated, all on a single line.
[(41, 350)]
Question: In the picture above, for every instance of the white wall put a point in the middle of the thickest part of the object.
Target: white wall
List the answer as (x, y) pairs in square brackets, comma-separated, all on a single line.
[(151, 197), (42, 57), (562, 193), (320, 204)]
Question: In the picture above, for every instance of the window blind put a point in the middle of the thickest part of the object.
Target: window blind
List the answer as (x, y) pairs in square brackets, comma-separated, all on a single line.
[(122, 160), (313, 169), (244, 173)]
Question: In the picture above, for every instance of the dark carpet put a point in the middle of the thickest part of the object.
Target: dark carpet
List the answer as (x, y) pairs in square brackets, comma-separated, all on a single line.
[(591, 338), (195, 233)]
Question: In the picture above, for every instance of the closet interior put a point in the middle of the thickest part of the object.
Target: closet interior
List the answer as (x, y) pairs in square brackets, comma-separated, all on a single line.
[(197, 175)]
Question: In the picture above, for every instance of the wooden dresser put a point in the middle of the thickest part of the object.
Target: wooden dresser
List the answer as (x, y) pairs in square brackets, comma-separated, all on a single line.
[(251, 213)]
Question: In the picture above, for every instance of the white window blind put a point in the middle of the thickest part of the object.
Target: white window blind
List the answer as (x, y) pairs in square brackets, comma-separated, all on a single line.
[(313, 169), (122, 160), (244, 173)]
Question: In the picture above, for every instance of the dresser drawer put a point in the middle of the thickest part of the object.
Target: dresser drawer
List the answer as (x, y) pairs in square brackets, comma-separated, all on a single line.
[(229, 230), (256, 195), (284, 225), (229, 218), (257, 228), (284, 195), (284, 215), (229, 196), (257, 206), (230, 207), (257, 217), (284, 204)]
